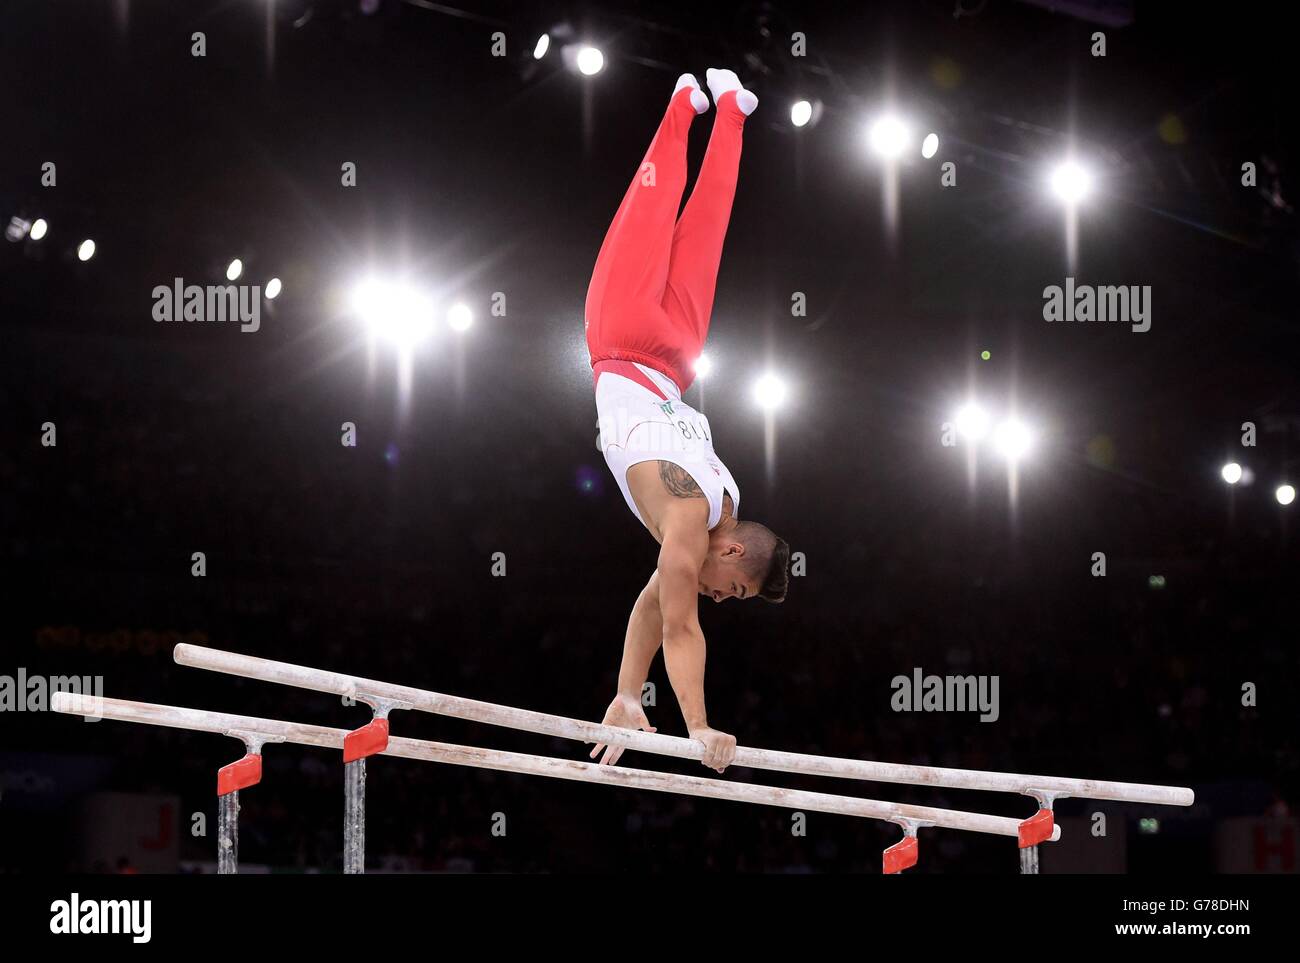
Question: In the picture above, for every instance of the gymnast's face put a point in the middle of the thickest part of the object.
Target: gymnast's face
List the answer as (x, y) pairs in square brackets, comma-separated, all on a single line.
[(722, 576)]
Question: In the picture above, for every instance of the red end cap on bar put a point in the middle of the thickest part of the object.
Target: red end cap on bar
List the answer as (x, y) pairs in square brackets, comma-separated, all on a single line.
[(1036, 829), (369, 740), (901, 855), (239, 775)]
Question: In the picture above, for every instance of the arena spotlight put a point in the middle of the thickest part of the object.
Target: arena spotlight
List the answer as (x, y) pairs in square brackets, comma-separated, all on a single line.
[(85, 250), (1285, 494), (589, 61), (16, 229), (234, 269), (39, 229), (1231, 473), (394, 312), (889, 136), (769, 392), (1070, 182), (460, 317), (543, 44), (272, 289), (802, 112), (1013, 439), (971, 421), (703, 365), (930, 146)]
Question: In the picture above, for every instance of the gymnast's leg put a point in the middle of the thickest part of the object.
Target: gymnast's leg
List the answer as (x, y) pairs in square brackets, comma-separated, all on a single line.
[(624, 300), (702, 228)]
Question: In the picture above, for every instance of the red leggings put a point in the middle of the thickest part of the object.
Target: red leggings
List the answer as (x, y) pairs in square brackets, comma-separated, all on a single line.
[(651, 292)]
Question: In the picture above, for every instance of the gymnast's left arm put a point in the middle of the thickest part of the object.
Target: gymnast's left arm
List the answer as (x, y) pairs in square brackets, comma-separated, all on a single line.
[(644, 634)]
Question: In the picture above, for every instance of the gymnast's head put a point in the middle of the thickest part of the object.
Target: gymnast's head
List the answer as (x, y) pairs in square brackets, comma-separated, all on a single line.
[(746, 560)]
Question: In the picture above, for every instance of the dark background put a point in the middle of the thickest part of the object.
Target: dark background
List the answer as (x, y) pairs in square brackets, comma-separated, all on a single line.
[(479, 175)]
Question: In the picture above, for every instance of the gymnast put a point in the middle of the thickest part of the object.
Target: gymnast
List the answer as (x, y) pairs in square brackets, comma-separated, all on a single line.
[(647, 317)]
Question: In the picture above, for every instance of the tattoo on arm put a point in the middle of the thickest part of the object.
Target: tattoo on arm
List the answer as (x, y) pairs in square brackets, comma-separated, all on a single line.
[(678, 482)]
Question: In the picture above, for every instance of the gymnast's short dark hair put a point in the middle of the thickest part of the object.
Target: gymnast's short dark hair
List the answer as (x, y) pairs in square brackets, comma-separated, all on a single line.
[(773, 553)]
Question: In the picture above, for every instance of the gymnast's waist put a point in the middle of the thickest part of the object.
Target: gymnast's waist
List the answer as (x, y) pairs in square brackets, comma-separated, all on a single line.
[(649, 376)]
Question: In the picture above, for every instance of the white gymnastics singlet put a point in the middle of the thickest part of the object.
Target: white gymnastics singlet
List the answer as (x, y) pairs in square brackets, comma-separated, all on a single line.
[(643, 418)]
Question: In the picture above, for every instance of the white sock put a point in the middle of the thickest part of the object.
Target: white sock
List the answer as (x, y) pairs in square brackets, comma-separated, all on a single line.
[(698, 100), (722, 81)]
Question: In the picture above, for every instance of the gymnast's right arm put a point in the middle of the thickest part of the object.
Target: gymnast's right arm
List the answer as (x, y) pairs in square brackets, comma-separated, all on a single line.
[(681, 555)]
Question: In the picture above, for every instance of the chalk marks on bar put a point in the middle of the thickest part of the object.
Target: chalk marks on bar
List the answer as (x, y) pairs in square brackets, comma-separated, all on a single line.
[(284, 673)]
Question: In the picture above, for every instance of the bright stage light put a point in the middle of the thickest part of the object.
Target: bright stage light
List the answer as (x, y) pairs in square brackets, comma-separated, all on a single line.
[(1285, 494), (769, 392), (1231, 473), (1013, 439), (234, 270), (972, 421), (272, 289), (460, 317), (1070, 182), (395, 312), (801, 112), (889, 136), (39, 229), (703, 365), (85, 250), (930, 146), (590, 61), (543, 45)]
